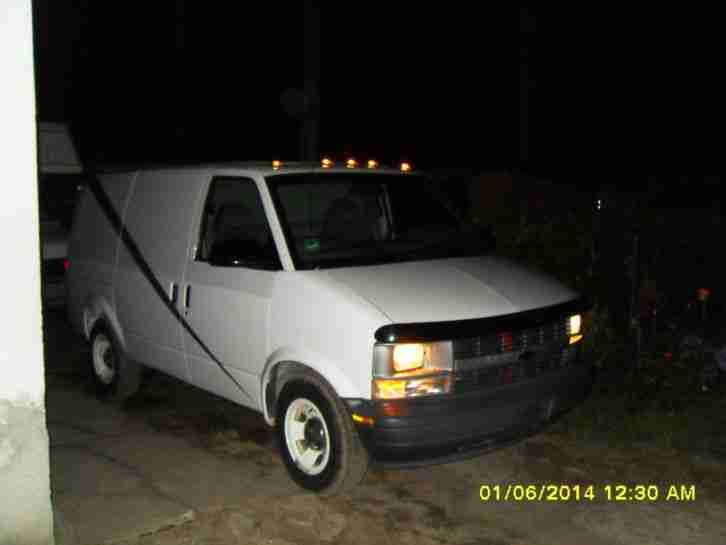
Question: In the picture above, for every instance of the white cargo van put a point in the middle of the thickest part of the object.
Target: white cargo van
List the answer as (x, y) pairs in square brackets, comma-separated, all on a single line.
[(347, 305)]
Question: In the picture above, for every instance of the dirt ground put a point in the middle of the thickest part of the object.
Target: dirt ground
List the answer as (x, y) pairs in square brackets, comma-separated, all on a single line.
[(441, 504)]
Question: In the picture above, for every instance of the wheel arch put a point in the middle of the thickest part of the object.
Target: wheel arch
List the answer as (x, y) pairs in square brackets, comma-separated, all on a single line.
[(288, 363), (98, 308)]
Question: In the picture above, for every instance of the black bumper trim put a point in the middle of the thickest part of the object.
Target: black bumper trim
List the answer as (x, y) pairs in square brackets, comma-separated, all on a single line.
[(435, 430), (461, 452), (460, 329)]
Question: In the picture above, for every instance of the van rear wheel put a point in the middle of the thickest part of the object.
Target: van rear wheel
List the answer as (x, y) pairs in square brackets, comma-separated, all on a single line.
[(115, 376), (318, 442)]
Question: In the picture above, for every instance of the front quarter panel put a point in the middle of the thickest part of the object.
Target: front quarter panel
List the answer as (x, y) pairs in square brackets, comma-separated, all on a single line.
[(322, 324)]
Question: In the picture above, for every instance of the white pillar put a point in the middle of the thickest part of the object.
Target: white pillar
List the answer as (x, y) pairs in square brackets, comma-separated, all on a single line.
[(25, 509)]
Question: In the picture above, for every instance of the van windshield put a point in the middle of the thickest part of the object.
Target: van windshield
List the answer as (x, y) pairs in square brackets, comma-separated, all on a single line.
[(341, 220)]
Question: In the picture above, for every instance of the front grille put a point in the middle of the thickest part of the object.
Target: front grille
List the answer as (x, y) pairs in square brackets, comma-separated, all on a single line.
[(509, 357), (507, 341)]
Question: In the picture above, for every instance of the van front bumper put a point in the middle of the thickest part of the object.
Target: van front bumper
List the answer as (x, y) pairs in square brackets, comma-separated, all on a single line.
[(440, 429)]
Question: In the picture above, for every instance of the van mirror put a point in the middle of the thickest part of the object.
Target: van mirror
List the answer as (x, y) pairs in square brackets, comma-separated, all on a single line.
[(243, 253)]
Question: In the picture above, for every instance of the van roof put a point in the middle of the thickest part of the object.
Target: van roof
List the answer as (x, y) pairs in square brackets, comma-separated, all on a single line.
[(250, 167)]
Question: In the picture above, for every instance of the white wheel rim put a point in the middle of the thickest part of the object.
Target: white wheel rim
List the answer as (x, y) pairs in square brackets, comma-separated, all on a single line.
[(103, 359), (306, 436)]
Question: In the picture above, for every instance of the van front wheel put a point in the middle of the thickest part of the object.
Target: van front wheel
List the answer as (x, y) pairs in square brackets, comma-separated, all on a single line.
[(115, 376), (319, 445)]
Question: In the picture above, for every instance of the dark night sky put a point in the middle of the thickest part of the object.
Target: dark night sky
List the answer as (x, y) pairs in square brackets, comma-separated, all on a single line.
[(201, 83), (611, 94), (621, 93)]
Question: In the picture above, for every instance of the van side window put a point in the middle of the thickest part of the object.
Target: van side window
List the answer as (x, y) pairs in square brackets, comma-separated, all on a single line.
[(234, 230)]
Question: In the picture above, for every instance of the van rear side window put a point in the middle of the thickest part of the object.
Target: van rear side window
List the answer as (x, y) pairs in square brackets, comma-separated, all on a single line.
[(234, 226)]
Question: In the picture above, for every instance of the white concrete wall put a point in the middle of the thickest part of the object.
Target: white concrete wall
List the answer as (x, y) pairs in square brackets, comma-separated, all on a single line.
[(25, 510)]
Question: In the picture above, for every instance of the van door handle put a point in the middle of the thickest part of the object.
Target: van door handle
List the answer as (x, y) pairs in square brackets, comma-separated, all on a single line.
[(188, 297), (173, 292)]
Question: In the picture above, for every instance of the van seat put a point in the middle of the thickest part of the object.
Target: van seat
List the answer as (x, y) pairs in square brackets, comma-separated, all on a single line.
[(236, 222)]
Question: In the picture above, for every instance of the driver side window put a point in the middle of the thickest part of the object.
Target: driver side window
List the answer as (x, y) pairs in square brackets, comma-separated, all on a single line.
[(234, 229)]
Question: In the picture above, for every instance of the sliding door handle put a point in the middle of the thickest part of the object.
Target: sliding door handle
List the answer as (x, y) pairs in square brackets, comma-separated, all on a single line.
[(188, 297)]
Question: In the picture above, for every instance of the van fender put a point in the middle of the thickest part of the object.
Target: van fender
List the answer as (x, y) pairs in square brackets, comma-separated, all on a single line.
[(270, 388), (96, 308)]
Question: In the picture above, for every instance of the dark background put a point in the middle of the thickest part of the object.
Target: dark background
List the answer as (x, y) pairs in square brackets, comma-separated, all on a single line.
[(191, 80), (600, 97), (622, 95)]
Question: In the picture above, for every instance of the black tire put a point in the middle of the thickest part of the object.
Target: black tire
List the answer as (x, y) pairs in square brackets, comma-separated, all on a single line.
[(115, 376), (346, 461)]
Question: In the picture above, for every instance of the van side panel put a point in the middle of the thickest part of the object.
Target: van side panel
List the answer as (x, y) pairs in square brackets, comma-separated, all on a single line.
[(93, 247), (229, 312), (157, 220)]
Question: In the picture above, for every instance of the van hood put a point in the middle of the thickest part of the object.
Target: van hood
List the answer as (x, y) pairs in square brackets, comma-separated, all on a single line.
[(451, 289)]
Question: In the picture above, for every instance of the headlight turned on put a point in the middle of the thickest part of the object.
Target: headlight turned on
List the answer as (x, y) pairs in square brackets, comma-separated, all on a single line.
[(407, 357), (574, 328), (411, 370)]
